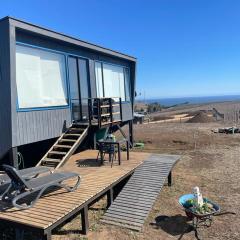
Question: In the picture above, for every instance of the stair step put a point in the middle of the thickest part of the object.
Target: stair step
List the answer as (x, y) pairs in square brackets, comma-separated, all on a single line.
[(74, 132), (80, 125), (72, 135), (67, 140), (105, 114), (62, 146), (52, 160), (57, 153), (76, 129), (50, 165)]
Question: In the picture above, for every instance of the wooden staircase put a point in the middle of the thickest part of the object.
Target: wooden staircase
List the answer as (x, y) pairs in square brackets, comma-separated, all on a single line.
[(65, 146)]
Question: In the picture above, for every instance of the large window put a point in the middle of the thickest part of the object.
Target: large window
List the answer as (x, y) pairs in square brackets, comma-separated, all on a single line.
[(41, 78), (112, 81)]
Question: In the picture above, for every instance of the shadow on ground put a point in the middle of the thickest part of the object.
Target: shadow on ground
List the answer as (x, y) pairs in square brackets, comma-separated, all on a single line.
[(177, 225)]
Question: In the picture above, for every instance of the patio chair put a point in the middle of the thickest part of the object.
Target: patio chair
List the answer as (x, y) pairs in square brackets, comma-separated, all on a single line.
[(21, 188), (109, 149)]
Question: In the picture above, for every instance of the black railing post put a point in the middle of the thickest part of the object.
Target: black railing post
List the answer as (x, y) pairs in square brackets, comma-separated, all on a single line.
[(111, 109), (99, 113), (84, 219), (110, 199), (120, 106), (90, 111), (170, 179)]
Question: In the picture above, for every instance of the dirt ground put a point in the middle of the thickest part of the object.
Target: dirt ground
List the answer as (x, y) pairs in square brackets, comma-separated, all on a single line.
[(210, 161)]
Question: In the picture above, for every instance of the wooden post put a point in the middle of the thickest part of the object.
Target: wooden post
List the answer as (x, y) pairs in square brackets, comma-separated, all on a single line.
[(119, 154), (170, 179), (13, 157), (131, 132), (101, 153), (47, 236), (19, 234), (127, 142), (109, 197), (84, 219)]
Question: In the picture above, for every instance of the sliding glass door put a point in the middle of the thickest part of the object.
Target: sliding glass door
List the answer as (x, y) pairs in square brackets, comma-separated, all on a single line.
[(79, 87)]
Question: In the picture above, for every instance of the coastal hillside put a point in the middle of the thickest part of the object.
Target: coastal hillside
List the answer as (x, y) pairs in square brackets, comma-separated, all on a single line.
[(230, 111)]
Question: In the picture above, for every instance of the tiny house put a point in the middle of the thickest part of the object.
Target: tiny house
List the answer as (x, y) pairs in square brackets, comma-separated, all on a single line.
[(50, 81)]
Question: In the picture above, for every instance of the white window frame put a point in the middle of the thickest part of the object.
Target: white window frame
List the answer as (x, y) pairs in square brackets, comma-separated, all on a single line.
[(66, 90), (126, 81)]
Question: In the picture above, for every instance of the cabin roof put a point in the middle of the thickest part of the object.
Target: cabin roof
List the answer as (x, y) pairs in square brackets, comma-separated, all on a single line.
[(63, 37)]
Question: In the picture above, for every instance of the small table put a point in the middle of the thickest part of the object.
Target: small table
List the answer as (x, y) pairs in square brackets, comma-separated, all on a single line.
[(103, 142)]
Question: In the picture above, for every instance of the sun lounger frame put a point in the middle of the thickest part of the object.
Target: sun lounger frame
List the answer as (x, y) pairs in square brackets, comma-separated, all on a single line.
[(20, 188), (27, 173)]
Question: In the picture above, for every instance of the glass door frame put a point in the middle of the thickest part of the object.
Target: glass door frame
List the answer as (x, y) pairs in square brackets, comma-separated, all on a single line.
[(79, 84)]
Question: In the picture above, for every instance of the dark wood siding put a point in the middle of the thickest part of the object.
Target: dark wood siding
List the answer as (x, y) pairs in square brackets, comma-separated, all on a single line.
[(5, 94)]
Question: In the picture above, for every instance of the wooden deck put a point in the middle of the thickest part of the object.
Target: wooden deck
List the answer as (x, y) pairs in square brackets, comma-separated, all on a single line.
[(56, 207)]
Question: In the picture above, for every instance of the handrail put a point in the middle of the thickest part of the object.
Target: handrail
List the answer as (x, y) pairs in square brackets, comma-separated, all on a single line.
[(96, 108), (101, 110)]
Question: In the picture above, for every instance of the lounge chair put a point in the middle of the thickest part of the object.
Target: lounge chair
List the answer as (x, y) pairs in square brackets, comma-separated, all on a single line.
[(25, 173), (21, 188)]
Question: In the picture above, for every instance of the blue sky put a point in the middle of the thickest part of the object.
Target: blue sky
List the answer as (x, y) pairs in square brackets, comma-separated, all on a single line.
[(184, 47)]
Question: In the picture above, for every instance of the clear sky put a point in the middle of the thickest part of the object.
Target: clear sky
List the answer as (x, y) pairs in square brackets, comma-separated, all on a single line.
[(184, 47)]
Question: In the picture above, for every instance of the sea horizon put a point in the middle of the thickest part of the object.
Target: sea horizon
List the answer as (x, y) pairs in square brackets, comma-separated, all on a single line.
[(191, 100)]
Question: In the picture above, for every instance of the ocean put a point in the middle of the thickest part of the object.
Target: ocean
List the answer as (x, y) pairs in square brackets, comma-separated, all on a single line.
[(193, 100)]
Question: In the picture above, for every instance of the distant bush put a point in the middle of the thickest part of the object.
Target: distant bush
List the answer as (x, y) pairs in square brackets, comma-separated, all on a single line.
[(139, 108), (154, 107)]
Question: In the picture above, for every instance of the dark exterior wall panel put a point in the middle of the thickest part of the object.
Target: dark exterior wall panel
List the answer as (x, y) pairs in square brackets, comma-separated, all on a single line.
[(12, 46), (36, 126), (5, 94)]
